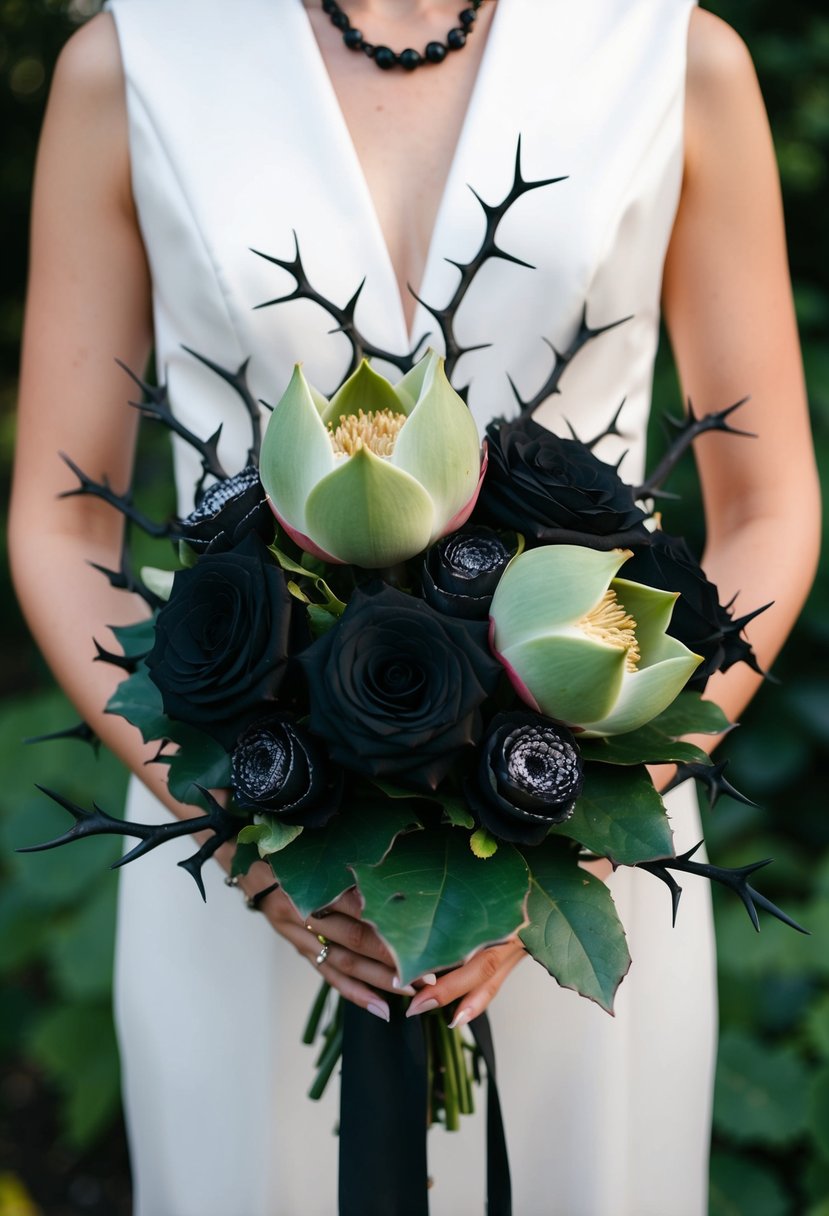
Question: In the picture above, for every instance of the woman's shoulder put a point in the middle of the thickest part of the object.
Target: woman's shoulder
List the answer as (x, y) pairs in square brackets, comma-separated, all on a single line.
[(89, 68), (723, 101)]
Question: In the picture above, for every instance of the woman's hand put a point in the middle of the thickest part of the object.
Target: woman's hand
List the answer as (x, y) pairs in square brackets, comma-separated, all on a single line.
[(473, 985)]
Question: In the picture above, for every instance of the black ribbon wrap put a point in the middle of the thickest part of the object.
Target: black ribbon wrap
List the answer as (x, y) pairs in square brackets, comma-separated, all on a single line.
[(383, 1117)]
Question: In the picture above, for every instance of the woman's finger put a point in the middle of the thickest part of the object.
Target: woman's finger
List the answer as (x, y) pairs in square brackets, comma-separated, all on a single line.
[(474, 984), (355, 935)]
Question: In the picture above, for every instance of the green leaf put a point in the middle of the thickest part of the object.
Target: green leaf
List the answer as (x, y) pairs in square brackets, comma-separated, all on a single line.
[(739, 1186), (760, 1095), (331, 604), (139, 701), (621, 816), (200, 760), (482, 844), (817, 1027), (456, 811), (81, 946), (313, 872), (643, 746), (688, 714), (135, 640), (24, 930), (434, 903), (574, 930), (270, 836), (818, 1110), (244, 857), (75, 1045)]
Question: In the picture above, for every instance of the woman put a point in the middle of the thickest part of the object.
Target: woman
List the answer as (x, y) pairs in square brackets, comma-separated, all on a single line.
[(240, 122)]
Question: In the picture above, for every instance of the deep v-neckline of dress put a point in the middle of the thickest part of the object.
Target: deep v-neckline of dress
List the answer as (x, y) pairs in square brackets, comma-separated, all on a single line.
[(321, 87)]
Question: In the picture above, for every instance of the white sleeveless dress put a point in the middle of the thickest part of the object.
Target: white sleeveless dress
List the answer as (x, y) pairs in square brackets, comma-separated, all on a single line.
[(236, 139)]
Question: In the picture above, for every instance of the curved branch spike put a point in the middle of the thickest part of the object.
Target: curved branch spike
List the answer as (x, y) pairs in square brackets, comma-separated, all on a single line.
[(611, 429), (81, 730), (687, 431), (238, 381), (121, 502), (562, 359), (128, 663), (712, 778), (125, 579), (157, 409), (734, 878), (515, 391)]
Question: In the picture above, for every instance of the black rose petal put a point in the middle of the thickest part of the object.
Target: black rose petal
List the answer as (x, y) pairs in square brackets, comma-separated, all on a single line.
[(222, 639), (279, 769), (529, 777), (556, 490), (227, 511), (396, 688), (699, 620), (460, 572)]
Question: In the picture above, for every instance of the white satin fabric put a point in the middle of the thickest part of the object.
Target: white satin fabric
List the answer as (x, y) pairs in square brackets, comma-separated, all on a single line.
[(236, 140)]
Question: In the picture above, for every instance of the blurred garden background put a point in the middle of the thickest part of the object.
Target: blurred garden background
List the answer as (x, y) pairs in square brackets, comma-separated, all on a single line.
[(61, 1140)]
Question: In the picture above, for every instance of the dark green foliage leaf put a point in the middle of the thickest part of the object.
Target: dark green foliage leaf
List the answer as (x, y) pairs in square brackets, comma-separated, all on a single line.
[(199, 761), (272, 836), (620, 815), (139, 701), (435, 903), (574, 930), (313, 871), (740, 1187), (456, 811), (135, 639), (818, 1109), (643, 746), (243, 858), (760, 1095), (817, 1026), (689, 714), (24, 930), (76, 1045)]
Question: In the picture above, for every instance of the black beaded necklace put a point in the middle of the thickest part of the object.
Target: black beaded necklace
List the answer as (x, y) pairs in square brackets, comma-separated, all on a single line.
[(385, 57)]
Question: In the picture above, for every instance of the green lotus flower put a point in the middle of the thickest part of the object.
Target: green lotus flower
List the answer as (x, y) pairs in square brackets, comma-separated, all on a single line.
[(583, 647), (379, 472)]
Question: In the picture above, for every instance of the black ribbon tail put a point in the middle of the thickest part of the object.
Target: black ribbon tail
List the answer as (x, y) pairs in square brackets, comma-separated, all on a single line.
[(498, 1182), (383, 1115)]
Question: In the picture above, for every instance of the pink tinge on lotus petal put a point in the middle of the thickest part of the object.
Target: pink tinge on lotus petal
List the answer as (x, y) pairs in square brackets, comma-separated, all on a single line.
[(460, 518), (515, 680), (304, 541)]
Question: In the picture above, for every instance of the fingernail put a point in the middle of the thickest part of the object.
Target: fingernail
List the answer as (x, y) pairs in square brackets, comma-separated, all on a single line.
[(406, 989), (460, 1018), (429, 978), (380, 1010), (413, 1010)]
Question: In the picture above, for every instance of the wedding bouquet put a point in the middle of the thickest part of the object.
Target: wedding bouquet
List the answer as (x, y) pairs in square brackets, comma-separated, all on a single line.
[(428, 668)]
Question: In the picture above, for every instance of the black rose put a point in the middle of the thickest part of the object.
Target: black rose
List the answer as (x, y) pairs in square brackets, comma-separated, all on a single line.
[(279, 769), (221, 641), (460, 572), (529, 777), (226, 512), (699, 620), (556, 490), (395, 688)]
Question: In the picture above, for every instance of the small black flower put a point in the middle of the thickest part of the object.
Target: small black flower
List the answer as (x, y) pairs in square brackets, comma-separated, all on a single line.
[(460, 572), (699, 620), (227, 511), (221, 641), (529, 777), (395, 687), (279, 769), (556, 490)]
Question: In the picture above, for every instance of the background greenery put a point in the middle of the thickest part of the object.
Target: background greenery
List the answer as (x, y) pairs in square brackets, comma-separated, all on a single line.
[(60, 1140)]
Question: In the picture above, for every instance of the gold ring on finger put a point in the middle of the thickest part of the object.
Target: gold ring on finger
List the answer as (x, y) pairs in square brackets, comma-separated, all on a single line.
[(322, 956)]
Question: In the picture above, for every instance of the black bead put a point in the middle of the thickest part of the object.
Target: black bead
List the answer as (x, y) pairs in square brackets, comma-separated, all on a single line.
[(385, 57), (435, 52), (369, 49), (330, 7), (467, 16), (455, 39), (340, 19), (353, 39), (409, 59)]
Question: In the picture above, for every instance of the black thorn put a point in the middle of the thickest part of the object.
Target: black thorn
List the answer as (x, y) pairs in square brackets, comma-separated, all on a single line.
[(127, 663), (238, 381), (712, 777), (81, 731), (611, 429), (687, 432)]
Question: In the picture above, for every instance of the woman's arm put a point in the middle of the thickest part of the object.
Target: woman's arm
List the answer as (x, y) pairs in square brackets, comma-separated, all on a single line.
[(728, 307), (88, 302)]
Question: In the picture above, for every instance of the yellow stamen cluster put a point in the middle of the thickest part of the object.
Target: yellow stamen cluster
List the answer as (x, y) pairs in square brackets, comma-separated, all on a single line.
[(375, 430), (608, 622)]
